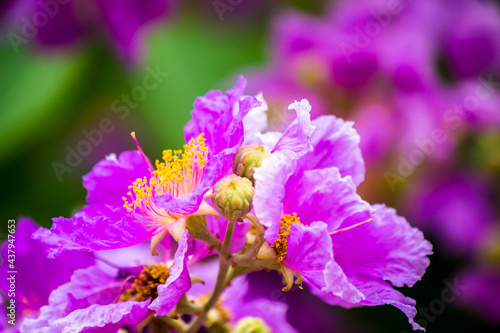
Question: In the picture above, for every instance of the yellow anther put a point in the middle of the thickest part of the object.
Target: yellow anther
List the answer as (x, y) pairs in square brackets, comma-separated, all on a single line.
[(146, 285), (178, 173), (281, 243)]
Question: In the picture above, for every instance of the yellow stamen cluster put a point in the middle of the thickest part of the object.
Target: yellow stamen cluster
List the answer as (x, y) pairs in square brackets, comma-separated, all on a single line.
[(281, 243), (146, 285), (178, 174)]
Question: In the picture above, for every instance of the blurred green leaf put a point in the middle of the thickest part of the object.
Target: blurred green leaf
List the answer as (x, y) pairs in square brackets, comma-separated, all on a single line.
[(198, 56), (30, 89)]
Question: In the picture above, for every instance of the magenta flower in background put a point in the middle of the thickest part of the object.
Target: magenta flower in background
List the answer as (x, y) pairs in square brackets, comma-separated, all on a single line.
[(455, 208), (61, 23), (157, 200), (38, 276), (480, 292), (472, 47)]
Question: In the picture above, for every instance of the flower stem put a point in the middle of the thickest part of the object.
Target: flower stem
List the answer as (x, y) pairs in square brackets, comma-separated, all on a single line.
[(220, 284), (175, 324)]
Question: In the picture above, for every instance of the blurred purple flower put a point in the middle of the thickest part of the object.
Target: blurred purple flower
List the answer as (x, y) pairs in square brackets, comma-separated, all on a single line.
[(454, 207), (57, 23), (481, 292)]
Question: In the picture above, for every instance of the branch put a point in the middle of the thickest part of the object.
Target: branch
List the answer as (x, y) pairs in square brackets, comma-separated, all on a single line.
[(220, 284)]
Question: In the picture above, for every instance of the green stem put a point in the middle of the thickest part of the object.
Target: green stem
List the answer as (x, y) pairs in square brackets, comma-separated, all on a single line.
[(220, 284), (175, 324)]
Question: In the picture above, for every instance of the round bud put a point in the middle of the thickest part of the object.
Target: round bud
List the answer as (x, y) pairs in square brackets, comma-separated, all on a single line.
[(247, 158), (232, 197), (251, 325)]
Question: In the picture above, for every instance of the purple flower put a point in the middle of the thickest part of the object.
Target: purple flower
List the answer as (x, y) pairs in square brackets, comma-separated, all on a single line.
[(157, 199), (454, 207), (305, 194), (62, 23), (473, 47), (479, 290), (481, 113), (35, 275), (107, 299)]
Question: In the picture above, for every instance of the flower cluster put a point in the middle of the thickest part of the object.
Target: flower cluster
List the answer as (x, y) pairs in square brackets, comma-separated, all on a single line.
[(260, 199)]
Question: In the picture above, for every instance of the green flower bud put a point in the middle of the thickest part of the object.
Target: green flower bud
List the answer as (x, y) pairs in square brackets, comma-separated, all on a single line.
[(232, 197), (251, 325), (247, 158)]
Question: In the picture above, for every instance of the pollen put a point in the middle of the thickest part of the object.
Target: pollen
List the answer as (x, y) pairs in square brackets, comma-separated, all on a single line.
[(178, 173), (281, 243), (145, 286)]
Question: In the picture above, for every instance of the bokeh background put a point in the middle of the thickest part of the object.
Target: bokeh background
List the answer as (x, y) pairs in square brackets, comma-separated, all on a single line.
[(68, 82)]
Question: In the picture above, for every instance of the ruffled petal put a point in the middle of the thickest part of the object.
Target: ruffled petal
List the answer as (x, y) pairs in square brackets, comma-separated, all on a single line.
[(94, 228), (376, 292), (336, 144), (233, 128), (207, 110), (32, 291), (268, 140), (297, 136), (387, 248), (109, 179), (323, 195), (213, 116), (87, 287), (379, 292), (309, 251), (255, 121), (177, 283), (107, 318), (270, 180)]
